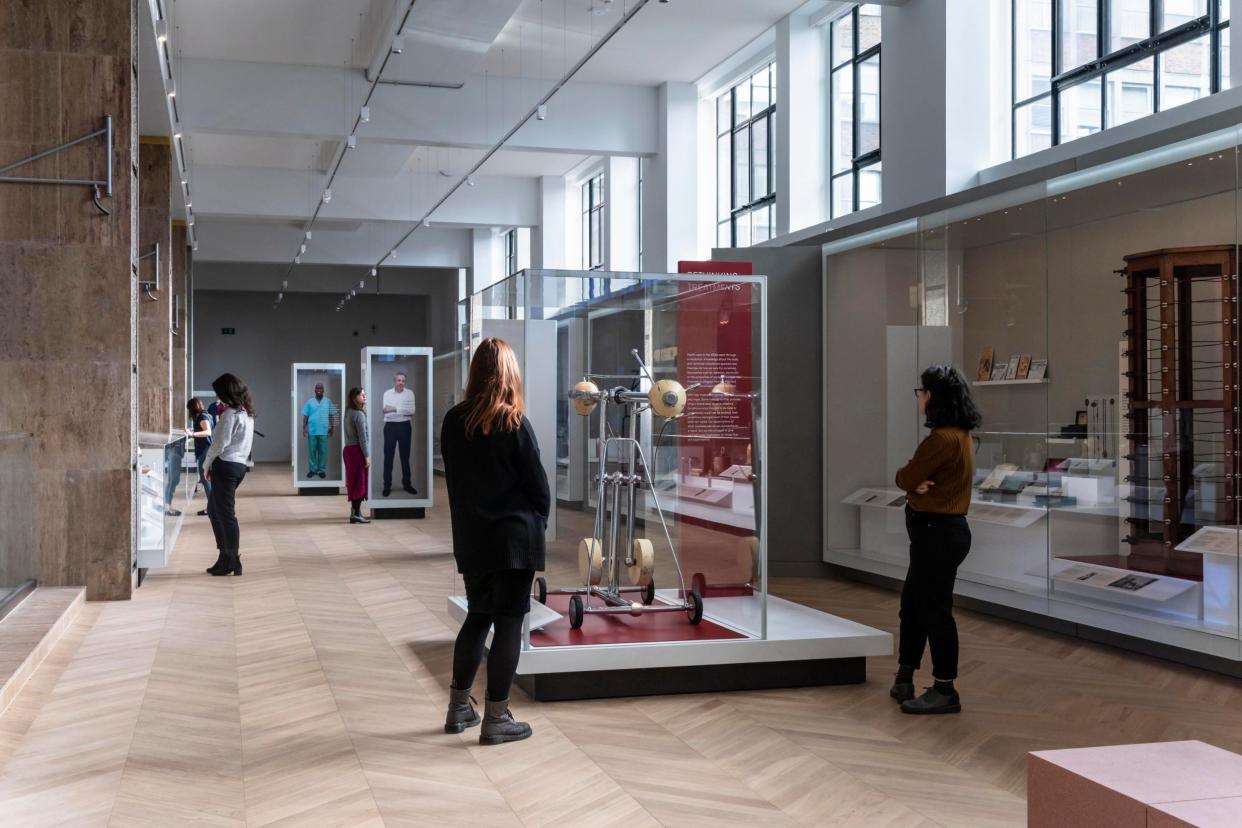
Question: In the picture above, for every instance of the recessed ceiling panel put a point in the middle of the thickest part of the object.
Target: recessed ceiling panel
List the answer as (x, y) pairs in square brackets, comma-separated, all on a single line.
[(305, 32), (281, 152)]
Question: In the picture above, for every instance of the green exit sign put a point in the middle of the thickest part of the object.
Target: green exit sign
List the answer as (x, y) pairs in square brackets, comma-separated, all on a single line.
[(228, 331)]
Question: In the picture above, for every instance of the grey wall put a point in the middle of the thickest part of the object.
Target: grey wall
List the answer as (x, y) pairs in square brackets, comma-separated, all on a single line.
[(794, 415), (305, 328)]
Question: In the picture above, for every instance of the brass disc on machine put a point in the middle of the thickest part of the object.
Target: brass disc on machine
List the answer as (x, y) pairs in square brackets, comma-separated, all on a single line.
[(643, 569), (590, 561), (585, 405), (667, 398)]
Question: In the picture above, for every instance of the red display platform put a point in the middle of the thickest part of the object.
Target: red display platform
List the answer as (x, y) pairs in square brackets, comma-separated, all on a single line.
[(653, 627)]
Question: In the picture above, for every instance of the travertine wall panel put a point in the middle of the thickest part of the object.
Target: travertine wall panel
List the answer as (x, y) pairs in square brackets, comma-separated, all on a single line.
[(66, 289), (181, 337), (155, 370)]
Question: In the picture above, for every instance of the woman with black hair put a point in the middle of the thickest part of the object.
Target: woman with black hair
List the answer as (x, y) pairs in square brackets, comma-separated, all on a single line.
[(937, 482), (226, 465)]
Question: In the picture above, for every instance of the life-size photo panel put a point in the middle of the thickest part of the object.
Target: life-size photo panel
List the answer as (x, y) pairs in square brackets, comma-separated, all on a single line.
[(398, 385), (318, 403)]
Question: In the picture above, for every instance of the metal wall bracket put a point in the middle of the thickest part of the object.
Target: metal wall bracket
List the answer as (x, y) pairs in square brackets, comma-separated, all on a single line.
[(176, 315), (147, 287), (99, 187)]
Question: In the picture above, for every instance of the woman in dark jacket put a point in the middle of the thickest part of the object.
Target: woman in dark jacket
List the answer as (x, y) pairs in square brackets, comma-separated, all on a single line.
[(937, 482), (499, 502)]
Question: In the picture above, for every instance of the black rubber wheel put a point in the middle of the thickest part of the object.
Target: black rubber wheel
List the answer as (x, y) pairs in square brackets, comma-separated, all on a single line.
[(649, 593), (541, 590), (575, 612), (698, 583), (695, 611)]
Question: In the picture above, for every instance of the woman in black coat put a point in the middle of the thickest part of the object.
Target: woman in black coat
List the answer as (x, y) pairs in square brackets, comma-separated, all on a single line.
[(499, 502)]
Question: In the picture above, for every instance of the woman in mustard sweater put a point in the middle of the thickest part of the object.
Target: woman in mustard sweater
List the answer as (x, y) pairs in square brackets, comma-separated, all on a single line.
[(937, 481)]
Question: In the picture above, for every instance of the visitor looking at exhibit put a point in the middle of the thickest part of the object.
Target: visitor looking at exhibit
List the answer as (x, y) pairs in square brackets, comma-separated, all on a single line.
[(356, 453), (499, 502), (200, 430), (226, 466), (937, 482)]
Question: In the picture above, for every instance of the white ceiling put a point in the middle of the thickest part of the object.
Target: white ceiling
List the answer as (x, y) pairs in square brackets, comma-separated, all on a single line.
[(305, 32), (282, 152)]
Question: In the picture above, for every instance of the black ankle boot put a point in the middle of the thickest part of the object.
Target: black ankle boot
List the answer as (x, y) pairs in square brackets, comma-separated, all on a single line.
[(218, 565), (902, 689), (231, 566), (461, 712), (934, 700)]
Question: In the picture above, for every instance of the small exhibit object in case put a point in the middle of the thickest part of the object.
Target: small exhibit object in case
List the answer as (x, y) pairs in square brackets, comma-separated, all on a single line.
[(1039, 369), (1024, 367), (985, 364)]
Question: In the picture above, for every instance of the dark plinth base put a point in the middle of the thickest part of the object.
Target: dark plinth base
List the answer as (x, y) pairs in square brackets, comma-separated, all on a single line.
[(319, 491), (399, 514), (710, 678)]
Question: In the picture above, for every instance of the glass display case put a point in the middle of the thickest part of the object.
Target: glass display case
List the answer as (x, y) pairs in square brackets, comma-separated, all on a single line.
[(163, 489), (646, 393), (17, 541), (399, 410), (318, 401), (1096, 315)]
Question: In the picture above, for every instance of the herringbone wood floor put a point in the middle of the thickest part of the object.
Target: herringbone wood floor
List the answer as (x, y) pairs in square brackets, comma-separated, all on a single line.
[(310, 692)]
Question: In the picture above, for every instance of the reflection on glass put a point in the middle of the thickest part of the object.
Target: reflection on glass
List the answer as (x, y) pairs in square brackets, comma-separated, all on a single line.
[(842, 119), (1080, 110), (1177, 12), (1129, 22), (869, 186), (760, 83), (842, 39), (724, 234), (762, 184), (1032, 48), (761, 226), (843, 194), (741, 168), (1226, 81), (1033, 127), (869, 106), (1185, 74), (724, 184), (1130, 92), (868, 26), (741, 103), (1078, 32)]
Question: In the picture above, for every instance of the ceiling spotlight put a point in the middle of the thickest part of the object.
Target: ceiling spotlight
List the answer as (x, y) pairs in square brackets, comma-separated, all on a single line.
[(351, 142), (188, 204), (302, 249), (361, 285), (365, 114), (541, 112), (327, 195), (190, 221), (284, 284), (398, 43), (297, 260), (195, 247), (392, 254), (372, 271), (177, 136), (309, 235), (172, 93), (352, 294), (280, 297), (470, 181), (427, 223), (161, 31)]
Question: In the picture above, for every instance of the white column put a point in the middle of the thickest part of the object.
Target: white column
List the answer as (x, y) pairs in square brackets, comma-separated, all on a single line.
[(801, 151), (548, 243), (487, 260), (670, 182), (621, 211)]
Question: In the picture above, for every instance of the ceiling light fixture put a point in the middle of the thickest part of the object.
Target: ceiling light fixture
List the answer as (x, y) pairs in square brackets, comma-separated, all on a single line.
[(398, 43), (284, 284), (177, 135), (351, 142), (327, 195), (297, 260), (172, 93), (364, 114), (302, 248), (541, 112), (361, 284), (372, 271), (161, 31), (309, 235), (470, 181)]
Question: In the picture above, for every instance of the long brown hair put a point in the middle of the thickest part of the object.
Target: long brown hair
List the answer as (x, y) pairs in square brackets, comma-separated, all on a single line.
[(233, 393), (494, 390), (353, 398)]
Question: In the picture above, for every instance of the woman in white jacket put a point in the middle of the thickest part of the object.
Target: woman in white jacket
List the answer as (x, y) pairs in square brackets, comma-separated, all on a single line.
[(226, 465)]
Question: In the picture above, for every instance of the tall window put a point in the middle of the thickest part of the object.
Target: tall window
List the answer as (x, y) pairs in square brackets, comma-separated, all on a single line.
[(593, 223), (511, 247), (745, 189), (855, 89), (1080, 66)]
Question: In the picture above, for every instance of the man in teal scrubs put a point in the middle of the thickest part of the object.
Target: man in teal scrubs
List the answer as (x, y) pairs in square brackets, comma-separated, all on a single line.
[(319, 417)]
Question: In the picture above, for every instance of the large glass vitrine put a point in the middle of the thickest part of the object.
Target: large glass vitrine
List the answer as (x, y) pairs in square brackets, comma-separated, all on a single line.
[(1096, 316)]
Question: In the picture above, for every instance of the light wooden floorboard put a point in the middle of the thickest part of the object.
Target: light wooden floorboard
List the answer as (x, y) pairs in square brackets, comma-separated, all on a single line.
[(310, 692)]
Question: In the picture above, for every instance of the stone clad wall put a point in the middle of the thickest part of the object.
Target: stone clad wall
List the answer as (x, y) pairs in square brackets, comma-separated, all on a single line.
[(66, 291), (181, 322), (155, 337)]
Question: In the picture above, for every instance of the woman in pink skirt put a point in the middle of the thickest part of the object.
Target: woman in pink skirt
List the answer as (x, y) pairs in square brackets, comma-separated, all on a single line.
[(357, 453)]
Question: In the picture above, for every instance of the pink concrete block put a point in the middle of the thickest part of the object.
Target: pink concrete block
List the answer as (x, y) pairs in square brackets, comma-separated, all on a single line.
[(1202, 813), (1113, 785)]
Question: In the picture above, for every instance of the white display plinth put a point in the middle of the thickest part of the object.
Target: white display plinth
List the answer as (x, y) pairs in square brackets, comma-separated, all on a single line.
[(1219, 547)]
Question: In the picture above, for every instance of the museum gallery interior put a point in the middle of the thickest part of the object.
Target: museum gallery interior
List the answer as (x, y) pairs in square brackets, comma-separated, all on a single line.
[(687, 396)]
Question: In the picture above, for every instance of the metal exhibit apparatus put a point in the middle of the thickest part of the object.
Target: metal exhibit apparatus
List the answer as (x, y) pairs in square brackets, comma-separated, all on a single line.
[(613, 545)]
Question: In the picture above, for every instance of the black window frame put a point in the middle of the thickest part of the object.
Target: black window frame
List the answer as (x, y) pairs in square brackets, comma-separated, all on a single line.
[(852, 64), (1156, 44), (511, 251), (590, 187), (733, 130)]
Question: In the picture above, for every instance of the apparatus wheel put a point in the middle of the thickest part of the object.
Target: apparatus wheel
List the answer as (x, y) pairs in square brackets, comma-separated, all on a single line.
[(698, 583), (642, 570), (590, 561), (541, 590), (649, 593), (695, 609), (575, 612)]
